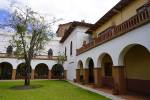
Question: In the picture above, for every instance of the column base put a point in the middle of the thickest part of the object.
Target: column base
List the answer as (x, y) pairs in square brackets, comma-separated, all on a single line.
[(32, 75), (65, 74), (98, 77), (78, 75), (119, 79), (49, 74), (85, 76)]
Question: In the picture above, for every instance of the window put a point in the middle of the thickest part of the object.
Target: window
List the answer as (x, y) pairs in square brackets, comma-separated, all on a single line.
[(65, 51), (50, 52), (71, 48), (9, 50)]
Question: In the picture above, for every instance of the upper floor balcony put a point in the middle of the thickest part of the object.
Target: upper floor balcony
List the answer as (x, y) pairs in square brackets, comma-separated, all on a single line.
[(36, 57), (112, 32)]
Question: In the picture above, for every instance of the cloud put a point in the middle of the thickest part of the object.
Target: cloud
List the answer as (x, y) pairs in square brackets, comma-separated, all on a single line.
[(69, 10), (73, 8), (4, 4)]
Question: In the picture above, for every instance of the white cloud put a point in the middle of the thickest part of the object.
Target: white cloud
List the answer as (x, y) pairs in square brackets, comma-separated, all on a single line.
[(69, 10), (4, 4)]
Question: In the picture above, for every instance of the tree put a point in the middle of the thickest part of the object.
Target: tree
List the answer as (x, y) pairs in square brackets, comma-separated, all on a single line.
[(58, 69), (61, 58), (32, 32)]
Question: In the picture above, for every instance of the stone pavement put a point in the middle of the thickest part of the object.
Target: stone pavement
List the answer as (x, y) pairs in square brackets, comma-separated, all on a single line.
[(107, 95)]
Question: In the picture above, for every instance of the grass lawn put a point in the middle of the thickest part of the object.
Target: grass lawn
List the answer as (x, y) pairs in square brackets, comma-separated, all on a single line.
[(47, 90)]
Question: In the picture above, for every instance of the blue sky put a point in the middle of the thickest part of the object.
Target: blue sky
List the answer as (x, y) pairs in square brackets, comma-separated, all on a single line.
[(4, 15)]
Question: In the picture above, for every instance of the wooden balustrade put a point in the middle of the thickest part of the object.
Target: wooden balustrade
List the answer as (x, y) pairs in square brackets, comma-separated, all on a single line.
[(38, 57), (133, 22), (113, 32), (45, 57), (105, 36), (5, 55)]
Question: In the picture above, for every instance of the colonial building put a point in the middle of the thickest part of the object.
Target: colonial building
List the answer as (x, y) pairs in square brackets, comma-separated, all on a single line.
[(118, 57), (113, 53), (11, 67)]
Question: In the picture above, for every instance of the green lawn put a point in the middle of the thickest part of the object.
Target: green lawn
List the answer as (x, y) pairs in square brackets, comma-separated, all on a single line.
[(48, 90)]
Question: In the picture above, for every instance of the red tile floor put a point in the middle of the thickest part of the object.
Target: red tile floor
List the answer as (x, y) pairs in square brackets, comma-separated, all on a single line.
[(128, 96)]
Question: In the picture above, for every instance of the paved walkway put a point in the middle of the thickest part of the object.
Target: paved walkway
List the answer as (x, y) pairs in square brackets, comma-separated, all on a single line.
[(110, 96)]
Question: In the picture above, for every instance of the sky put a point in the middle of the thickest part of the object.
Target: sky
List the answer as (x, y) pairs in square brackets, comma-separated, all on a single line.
[(66, 10)]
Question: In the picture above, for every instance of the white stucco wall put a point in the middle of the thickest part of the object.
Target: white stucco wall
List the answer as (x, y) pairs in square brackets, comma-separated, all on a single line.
[(53, 44), (34, 63), (116, 46), (77, 36), (4, 41), (113, 47)]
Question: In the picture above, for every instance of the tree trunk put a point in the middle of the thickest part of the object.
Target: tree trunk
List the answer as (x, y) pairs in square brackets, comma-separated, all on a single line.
[(27, 75)]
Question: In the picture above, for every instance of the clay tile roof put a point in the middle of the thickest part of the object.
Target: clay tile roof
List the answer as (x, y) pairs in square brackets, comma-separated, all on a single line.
[(117, 8), (62, 25), (73, 25)]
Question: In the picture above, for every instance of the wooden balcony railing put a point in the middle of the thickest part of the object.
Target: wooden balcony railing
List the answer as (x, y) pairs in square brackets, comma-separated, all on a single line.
[(37, 57), (5, 55), (133, 22), (45, 57), (113, 32)]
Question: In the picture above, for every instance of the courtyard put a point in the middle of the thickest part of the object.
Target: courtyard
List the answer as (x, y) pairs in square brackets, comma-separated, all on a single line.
[(45, 90), (75, 50)]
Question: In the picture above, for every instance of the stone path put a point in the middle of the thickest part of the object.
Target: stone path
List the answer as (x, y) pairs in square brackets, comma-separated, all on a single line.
[(110, 96)]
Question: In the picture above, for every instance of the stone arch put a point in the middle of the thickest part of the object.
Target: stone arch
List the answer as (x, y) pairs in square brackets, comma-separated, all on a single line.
[(125, 50), (100, 57), (10, 62), (106, 63), (136, 59), (34, 63), (90, 66), (5, 70), (79, 63), (20, 71), (80, 68), (41, 71), (87, 61), (57, 71)]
